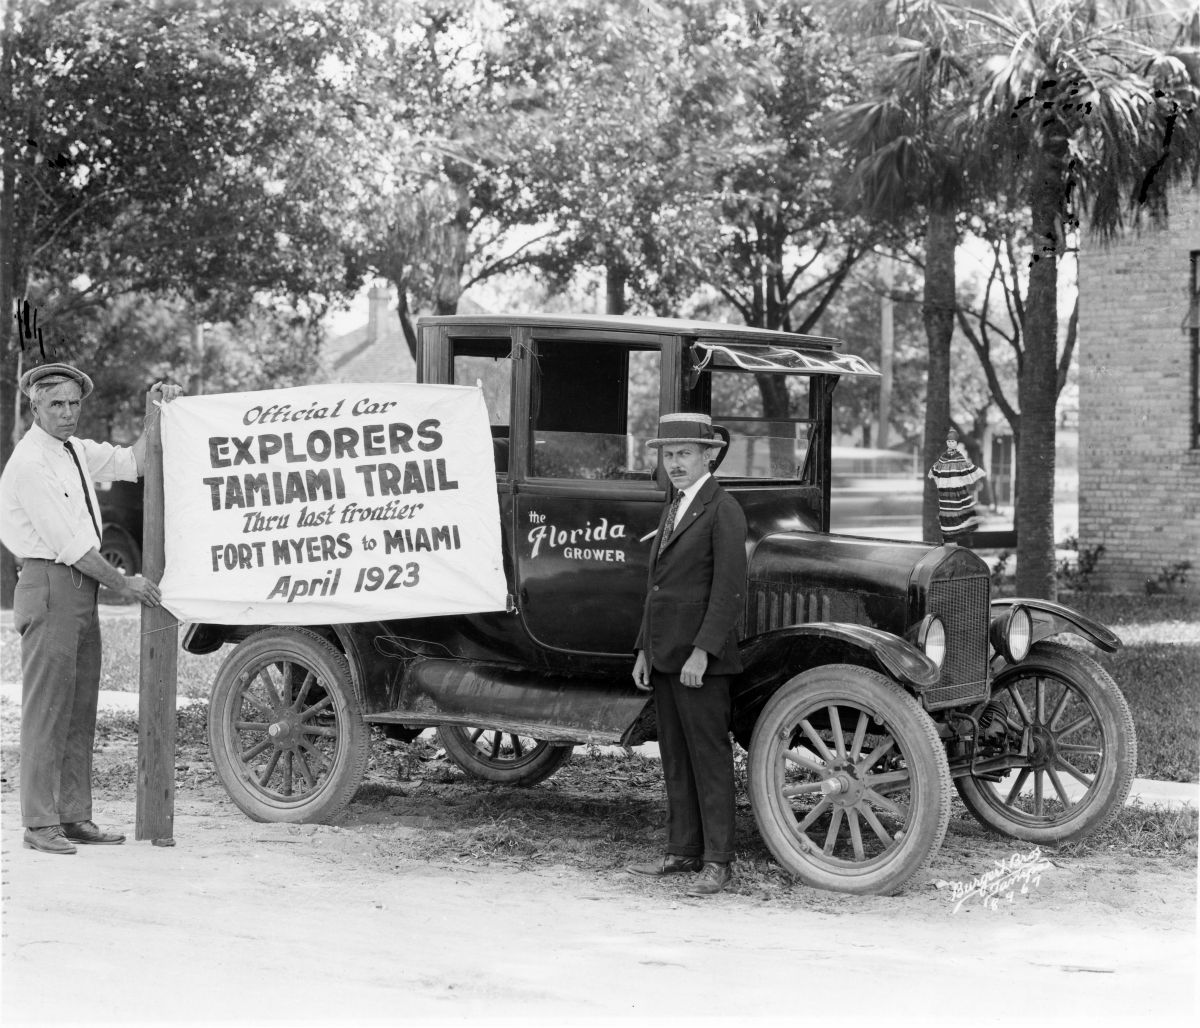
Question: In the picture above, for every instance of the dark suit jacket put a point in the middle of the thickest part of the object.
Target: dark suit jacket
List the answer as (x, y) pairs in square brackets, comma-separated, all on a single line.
[(696, 586)]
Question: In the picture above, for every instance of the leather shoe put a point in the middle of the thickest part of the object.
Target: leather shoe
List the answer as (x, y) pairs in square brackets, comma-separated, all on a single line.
[(87, 834), (669, 865), (711, 880), (49, 839)]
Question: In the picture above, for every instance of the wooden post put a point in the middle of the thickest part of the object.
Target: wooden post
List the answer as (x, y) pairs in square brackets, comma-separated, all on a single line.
[(159, 661)]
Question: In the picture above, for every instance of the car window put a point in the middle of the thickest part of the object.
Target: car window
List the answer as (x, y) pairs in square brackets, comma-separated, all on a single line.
[(594, 407), (486, 364), (762, 446)]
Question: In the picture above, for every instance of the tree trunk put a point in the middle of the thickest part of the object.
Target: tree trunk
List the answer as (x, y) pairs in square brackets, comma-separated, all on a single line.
[(615, 275), (937, 312), (1037, 385)]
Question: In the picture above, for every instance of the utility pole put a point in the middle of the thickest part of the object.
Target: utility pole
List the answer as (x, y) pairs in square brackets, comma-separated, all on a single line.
[(887, 343)]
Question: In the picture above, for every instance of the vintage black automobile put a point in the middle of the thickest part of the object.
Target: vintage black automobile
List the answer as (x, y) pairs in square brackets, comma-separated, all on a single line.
[(877, 673)]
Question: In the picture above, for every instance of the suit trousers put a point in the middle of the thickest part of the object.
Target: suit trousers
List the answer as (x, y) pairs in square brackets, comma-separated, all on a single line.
[(54, 612), (697, 759)]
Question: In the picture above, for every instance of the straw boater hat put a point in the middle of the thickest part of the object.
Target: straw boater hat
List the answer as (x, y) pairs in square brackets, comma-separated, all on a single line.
[(55, 374), (686, 428)]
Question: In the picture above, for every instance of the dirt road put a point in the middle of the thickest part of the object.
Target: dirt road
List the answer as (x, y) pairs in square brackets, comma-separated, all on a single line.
[(245, 923)]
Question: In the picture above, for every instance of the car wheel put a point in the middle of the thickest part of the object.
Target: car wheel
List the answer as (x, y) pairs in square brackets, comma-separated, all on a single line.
[(506, 757), (849, 781), (121, 552), (285, 728), (1069, 719)]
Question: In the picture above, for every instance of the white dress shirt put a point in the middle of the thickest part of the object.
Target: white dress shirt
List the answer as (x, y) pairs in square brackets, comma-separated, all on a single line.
[(689, 494), (43, 512)]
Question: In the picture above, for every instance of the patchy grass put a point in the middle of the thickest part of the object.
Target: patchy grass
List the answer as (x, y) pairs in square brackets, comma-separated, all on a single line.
[(1158, 670), (122, 658)]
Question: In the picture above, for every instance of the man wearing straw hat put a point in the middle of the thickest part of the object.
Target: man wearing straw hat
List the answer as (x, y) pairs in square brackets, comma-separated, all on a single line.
[(49, 520), (687, 652)]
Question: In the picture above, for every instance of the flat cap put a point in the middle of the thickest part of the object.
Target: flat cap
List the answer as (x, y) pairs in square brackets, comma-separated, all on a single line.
[(56, 373)]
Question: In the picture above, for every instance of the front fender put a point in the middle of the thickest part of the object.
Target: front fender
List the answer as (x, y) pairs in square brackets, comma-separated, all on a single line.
[(1055, 619), (787, 651)]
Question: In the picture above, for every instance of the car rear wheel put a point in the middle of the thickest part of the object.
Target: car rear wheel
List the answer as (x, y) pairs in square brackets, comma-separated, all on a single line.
[(285, 728), (849, 781), (1073, 726), (506, 757), (121, 551)]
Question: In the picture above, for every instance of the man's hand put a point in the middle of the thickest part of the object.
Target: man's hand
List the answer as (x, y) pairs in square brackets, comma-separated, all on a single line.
[(692, 674), (143, 590), (165, 392), (641, 672)]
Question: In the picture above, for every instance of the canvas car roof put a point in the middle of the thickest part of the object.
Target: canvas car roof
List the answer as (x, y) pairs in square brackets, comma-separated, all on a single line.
[(717, 344)]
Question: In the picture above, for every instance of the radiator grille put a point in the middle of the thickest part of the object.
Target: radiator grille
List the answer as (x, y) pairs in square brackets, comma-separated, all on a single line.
[(963, 606)]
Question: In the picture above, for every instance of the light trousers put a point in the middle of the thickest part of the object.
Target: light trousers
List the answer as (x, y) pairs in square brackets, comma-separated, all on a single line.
[(55, 614)]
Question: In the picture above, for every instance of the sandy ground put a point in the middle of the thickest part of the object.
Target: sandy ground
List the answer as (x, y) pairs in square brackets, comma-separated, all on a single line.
[(245, 923)]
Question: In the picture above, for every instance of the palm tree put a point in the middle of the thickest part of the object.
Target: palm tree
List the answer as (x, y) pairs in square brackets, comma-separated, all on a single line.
[(908, 166), (1080, 106)]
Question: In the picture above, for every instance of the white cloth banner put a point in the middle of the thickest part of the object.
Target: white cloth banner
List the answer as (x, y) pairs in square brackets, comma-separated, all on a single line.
[(329, 504)]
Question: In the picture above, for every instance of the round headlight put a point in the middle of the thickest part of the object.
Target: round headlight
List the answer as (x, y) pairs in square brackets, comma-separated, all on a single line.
[(1018, 634), (932, 639)]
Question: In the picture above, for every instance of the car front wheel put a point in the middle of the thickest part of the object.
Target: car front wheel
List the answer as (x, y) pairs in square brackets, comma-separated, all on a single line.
[(505, 757), (849, 781), (1073, 744), (285, 728)]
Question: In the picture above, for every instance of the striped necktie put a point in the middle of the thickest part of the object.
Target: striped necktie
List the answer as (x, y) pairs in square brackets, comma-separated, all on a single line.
[(669, 527), (87, 496)]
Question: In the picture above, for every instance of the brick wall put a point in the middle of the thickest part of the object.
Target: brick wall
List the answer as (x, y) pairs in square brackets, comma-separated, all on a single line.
[(1139, 478)]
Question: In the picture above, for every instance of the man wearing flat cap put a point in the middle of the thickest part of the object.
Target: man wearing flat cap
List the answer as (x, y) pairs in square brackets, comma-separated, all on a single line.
[(687, 652), (49, 519)]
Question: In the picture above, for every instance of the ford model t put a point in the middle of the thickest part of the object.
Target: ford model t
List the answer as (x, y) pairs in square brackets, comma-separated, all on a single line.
[(878, 674)]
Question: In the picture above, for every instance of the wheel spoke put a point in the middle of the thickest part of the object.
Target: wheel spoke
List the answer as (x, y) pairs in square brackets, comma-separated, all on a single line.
[(817, 742), (495, 745), (876, 825), (322, 704), (1037, 793), (305, 773), (518, 751), (475, 735), (256, 703), (1077, 724), (287, 772), (1039, 692), (882, 801), (264, 676), (1075, 773), (835, 825), (1059, 707), (1017, 786), (1056, 781), (815, 813), (875, 755), (1022, 709), (860, 732), (305, 686), (798, 757), (855, 834), (800, 789), (270, 769), (250, 726), (307, 749), (835, 726), (248, 755), (321, 730)]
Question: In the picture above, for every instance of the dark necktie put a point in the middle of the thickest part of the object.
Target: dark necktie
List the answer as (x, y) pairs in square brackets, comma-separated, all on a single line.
[(87, 496), (669, 527)]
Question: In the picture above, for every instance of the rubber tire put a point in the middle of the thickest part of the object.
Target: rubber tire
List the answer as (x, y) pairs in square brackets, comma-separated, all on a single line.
[(1106, 797), (534, 766), (352, 739), (121, 552), (917, 738)]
